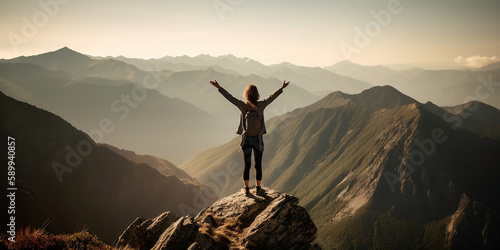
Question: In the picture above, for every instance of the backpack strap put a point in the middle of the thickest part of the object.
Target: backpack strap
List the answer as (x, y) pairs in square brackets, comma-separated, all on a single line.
[(261, 142), (243, 138)]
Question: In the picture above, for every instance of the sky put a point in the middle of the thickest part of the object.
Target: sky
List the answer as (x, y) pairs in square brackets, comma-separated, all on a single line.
[(308, 33)]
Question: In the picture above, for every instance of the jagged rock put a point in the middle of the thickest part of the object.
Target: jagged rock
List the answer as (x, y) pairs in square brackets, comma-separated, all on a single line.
[(134, 235), (282, 224), (196, 246), (160, 224), (144, 233), (268, 221), (181, 234), (272, 220)]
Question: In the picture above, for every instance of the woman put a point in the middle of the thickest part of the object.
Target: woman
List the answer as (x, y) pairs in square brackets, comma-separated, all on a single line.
[(251, 127)]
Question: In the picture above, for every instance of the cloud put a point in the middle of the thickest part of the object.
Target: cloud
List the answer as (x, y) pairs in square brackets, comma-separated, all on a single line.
[(475, 61)]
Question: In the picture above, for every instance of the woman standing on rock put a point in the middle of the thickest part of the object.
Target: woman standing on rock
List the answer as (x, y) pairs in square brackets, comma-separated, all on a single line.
[(251, 127)]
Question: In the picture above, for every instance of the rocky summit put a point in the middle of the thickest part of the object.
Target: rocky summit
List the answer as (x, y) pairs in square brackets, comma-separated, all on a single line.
[(269, 220)]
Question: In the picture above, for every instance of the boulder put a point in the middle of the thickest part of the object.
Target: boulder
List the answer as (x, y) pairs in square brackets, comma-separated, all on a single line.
[(267, 221), (181, 235), (282, 224), (271, 220), (144, 233)]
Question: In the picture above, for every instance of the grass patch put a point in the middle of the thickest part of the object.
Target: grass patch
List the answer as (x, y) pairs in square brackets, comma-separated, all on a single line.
[(38, 238)]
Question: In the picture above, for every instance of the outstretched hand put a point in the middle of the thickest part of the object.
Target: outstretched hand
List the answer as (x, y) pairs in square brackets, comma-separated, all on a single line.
[(215, 83), (285, 84)]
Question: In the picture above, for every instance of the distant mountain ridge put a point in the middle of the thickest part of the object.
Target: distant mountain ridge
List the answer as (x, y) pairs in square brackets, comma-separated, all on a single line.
[(377, 75), (316, 80), (137, 116), (374, 165), (442, 87), (73, 81), (78, 65), (489, 67), (163, 166)]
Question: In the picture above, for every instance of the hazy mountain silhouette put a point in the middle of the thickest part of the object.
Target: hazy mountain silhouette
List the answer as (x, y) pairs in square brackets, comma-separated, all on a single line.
[(453, 87), (378, 75), (55, 90), (169, 63), (316, 80), (101, 190), (193, 87), (163, 166), (443, 87), (475, 116), (376, 169), (79, 65), (226, 64), (152, 124), (489, 67)]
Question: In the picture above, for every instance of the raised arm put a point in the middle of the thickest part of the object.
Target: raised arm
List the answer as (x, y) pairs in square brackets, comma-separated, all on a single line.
[(215, 83), (285, 84), (271, 98), (238, 103)]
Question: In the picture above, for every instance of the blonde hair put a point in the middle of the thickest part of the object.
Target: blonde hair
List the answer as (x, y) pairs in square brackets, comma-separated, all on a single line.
[(251, 95)]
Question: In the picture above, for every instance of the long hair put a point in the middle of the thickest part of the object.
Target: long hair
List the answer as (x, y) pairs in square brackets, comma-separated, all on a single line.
[(251, 95)]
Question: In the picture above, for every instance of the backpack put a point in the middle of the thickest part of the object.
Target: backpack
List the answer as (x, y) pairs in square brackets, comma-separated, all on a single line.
[(253, 124)]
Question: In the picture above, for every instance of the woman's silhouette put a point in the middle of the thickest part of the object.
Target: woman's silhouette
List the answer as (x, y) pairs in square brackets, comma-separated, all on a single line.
[(251, 127)]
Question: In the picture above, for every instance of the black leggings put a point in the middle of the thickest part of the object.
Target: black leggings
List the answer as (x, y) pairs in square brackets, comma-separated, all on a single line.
[(252, 142)]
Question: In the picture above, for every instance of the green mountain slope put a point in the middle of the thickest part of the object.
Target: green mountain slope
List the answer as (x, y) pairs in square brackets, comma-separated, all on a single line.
[(374, 169)]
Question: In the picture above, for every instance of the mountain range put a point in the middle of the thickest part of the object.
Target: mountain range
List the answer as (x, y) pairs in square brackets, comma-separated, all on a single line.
[(65, 181), (316, 80), (125, 115), (163, 166), (378, 169), (442, 87), (182, 106), (375, 168)]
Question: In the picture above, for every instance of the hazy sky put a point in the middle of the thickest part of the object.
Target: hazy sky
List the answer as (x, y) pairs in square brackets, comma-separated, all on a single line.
[(311, 33)]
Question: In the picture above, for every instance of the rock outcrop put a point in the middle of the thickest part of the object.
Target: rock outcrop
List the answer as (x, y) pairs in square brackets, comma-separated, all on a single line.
[(144, 233), (270, 220)]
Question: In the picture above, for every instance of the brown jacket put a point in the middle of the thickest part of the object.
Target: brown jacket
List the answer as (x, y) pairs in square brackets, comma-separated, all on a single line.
[(242, 106)]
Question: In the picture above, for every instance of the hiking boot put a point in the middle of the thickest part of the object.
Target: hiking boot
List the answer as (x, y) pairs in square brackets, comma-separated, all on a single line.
[(247, 190), (258, 190)]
